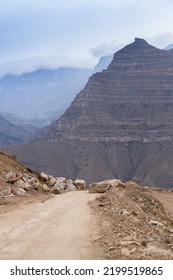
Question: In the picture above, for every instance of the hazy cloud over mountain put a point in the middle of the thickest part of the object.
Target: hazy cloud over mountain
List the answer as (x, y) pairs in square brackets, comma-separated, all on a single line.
[(54, 33)]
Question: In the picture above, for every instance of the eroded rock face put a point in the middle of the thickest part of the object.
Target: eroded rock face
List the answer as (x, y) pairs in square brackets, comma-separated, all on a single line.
[(132, 100), (119, 126)]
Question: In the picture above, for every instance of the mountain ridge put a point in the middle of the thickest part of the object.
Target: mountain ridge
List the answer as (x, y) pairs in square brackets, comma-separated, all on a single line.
[(118, 126)]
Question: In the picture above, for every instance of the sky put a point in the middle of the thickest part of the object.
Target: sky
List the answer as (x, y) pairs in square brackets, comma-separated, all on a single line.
[(75, 33)]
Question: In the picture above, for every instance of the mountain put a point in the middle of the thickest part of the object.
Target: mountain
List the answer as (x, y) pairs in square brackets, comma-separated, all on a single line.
[(130, 101), (118, 126), (41, 95), (19, 121), (169, 47), (13, 134), (103, 63)]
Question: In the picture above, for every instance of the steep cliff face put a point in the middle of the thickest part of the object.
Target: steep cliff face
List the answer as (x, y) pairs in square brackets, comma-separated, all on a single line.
[(119, 126), (130, 101)]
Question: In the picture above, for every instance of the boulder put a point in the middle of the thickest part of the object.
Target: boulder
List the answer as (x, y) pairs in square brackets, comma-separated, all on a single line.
[(131, 184), (61, 186), (5, 191), (12, 177), (103, 186), (52, 181), (38, 187), (115, 183), (55, 190), (28, 187), (21, 192), (100, 187), (32, 181), (45, 188), (70, 186), (20, 184), (44, 176), (61, 180), (27, 176), (80, 184)]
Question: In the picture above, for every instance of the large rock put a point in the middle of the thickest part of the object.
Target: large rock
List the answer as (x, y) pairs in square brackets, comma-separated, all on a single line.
[(100, 187), (52, 181), (23, 185), (44, 176), (45, 188), (70, 186), (55, 190), (21, 192), (80, 184), (115, 183), (61, 186), (12, 177), (61, 180)]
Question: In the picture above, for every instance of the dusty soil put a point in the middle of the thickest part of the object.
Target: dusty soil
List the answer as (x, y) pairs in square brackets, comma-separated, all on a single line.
[(58, 228), (135, 223)]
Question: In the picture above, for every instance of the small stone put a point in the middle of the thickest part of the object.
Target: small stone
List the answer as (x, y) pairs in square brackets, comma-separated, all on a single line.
[(124, 212), (125, 252), (21, 192), (127, 243), (155, 223), (133, 250), (144, 243), (134, 213)]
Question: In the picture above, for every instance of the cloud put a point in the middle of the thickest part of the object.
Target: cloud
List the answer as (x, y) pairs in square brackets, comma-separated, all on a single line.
[(77, 30), (105, 49), (162, 40)]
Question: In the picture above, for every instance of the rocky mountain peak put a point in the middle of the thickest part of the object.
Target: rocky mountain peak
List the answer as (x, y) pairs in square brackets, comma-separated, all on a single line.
[(139, 53), (120, 125), (141, 42)]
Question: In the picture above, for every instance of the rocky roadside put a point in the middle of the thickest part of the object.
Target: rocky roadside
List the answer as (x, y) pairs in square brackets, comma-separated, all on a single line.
[(133, 224), (19, 183)]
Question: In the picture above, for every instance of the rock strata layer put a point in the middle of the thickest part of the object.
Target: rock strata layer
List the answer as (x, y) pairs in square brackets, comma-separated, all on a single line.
[(119, 126), (132, 100)]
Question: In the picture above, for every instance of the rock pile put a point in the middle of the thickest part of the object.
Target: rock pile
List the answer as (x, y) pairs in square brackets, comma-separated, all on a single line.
[(133, 223), (18, 181), (103, 186), (57, 185)]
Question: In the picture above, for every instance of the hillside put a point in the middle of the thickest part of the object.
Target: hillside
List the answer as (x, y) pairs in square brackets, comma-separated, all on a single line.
[(13, 134), (118, 126), (18, 184), (41, 95)]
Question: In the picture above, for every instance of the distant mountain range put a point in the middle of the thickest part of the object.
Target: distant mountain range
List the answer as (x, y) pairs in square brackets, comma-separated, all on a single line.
[(103, 63), (14, 134), (119, 126), (41, 95), (169, 47)]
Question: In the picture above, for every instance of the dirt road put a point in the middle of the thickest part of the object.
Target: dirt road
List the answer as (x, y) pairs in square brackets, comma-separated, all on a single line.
[(60, 228), (166, 198)]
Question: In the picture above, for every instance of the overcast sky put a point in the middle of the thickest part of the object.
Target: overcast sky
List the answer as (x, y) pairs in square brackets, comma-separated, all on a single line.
[(54, 33)]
